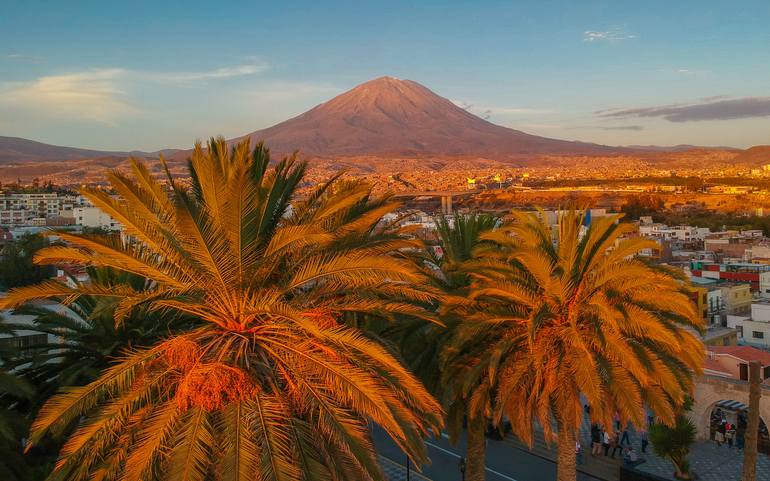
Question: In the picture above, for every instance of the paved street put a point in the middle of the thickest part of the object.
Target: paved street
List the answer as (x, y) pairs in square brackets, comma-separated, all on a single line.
[(504, 462)]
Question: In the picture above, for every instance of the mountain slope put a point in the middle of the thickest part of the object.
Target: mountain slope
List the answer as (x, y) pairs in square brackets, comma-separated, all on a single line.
[(388, 116), (16, 149)]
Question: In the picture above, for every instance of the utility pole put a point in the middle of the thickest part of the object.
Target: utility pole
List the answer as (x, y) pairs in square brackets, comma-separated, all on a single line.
[(750, 453)]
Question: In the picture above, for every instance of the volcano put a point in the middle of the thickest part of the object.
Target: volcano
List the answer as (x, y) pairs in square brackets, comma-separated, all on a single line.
[(391, 117)]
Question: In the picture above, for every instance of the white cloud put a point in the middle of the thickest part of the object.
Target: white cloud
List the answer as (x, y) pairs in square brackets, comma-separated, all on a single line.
[(486, 112), (220, 73), (100, 95), (91, 95), (282, 91), (614, 35), (22, 57)]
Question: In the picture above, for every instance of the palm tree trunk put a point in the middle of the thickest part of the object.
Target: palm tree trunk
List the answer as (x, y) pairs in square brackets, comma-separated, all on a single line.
[(566, 469), (475, 452), (750, 453)]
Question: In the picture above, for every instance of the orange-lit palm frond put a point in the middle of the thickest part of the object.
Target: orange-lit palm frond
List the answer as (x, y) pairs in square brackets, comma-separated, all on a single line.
[(268, 383)]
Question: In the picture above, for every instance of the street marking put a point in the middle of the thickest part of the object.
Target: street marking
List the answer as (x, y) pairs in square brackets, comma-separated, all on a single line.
[(452, 453)]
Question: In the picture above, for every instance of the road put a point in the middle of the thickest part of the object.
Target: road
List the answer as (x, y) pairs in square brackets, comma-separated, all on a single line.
[(504, 462)]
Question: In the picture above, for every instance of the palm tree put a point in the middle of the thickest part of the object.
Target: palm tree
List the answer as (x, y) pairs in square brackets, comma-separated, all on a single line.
[(84, 337), (269, 384), (571, 311), (427, 346), (13, 391)]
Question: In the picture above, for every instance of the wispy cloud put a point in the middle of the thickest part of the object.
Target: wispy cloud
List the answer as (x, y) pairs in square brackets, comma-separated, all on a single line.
[(288, 90), (714, 108), (220, 73), (92, 95), (486, 112), (621, 127), (22, 57), (101, 95), (613, 35)]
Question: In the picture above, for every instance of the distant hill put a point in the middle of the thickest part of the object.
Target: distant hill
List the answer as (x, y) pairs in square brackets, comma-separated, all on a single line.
[(17, 150), (757, 155), (392, 117)]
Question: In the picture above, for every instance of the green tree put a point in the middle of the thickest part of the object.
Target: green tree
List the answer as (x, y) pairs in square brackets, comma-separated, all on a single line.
[(16, 266), (673, 441), (268, 383), (642, 205)]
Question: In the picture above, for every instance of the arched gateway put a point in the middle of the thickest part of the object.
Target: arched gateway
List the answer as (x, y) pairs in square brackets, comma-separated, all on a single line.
[(713, 390)]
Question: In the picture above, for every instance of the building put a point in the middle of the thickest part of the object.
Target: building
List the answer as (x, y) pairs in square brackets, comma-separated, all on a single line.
[(753, 330), (683, 233), (93, 217), (745, 272), (733, 362), (736, 298)]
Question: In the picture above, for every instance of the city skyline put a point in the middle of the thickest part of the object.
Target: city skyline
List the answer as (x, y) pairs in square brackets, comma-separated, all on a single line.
[(147, 77)]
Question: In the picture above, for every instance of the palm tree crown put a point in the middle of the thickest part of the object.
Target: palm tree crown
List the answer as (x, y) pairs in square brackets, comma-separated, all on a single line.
[(267, 384), (572, 311)]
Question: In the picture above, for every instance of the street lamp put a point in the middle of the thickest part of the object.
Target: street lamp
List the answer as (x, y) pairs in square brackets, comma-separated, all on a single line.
[(462, 467), (408, 477)]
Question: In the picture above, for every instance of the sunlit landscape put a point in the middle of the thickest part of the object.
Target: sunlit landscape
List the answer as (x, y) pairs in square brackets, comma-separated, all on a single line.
[(385, 242)]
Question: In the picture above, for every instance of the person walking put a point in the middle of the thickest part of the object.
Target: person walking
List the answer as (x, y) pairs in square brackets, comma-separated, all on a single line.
[(645, 438), (578, 452), (615, 444), (719, 435), (625, 438), (730, 434), (740, 437), (596, 440), (606, 442)]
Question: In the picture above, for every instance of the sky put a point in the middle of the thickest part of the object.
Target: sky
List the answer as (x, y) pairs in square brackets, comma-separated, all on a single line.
[(148, 75)]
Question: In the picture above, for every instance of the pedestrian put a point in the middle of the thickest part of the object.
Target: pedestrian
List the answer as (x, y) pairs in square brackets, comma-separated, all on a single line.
[(625, 437), (596, 440), (615, 444), (645, 440), (578, 452), (730, 435), (740, 437), (606, 442), (719, 435)]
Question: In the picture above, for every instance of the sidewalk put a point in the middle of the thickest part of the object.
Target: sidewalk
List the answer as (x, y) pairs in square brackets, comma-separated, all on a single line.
[(397, 472), (710, 463)]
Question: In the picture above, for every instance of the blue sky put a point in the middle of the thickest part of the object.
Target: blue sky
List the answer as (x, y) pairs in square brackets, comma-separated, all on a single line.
[(150, 75)]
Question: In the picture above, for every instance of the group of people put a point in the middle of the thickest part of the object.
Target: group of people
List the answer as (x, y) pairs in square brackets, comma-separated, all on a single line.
[(609, 444), (728, 433)]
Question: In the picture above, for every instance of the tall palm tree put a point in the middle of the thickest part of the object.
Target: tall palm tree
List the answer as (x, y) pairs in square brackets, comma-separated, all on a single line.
[(570, 311), (269, 384), (427, 346)]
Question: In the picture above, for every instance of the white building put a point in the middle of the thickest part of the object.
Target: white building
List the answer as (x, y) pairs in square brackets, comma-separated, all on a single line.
[(94, 217), (680, 232), (754, 330)]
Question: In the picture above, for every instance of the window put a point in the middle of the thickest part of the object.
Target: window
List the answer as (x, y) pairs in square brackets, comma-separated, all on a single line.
[(757, 334), (740, 331)]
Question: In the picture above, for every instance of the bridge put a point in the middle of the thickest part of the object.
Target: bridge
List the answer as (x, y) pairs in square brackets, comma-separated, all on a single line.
[(445, 195)]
